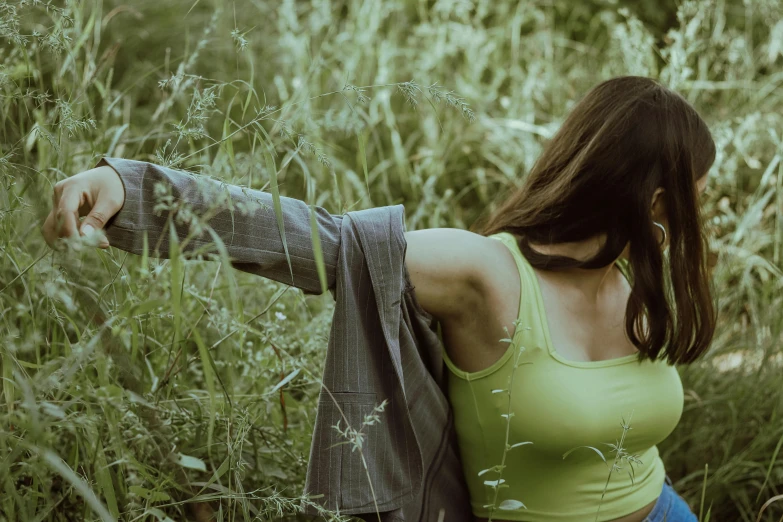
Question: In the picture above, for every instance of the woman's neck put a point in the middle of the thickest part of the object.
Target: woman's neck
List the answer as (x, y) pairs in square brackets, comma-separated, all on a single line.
[(590, 282)]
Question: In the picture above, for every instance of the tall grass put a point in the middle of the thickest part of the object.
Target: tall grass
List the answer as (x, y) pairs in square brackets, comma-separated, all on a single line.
[(135, 388)]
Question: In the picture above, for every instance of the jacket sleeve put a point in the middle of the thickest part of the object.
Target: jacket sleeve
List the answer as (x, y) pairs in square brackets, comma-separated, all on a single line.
[(242, 219)]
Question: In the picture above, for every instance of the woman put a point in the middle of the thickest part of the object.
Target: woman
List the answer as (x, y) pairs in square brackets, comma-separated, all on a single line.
[(572, 266)]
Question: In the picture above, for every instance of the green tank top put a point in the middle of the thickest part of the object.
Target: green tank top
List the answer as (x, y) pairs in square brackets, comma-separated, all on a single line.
[(561, 406)]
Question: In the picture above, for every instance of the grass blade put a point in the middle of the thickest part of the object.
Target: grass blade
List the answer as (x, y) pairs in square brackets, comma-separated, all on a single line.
[(363, 157), (103, 477), (272, 168), (209, 377), (78, 484), (317, 252), (771, 465)]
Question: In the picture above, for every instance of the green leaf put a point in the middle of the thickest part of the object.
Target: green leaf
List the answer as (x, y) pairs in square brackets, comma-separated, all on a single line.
[(140, 491), (215, 476), (152, 496), (186, 461), (567, 453), (159, 496), (510, 505), (288, 378), (161, 516), (494, 483), (146, 306)]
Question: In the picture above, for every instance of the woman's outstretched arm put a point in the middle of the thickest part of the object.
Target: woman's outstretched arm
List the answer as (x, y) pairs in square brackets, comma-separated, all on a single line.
[(124, 199)]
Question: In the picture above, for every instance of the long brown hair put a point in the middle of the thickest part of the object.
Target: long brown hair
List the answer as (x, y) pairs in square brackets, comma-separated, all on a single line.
[(597, 175)]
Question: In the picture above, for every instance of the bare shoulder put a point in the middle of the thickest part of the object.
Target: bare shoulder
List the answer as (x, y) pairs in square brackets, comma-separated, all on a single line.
[(470, 283), (451, 269)]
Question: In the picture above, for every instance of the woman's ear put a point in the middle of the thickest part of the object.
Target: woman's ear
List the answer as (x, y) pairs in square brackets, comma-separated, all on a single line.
[(658, 206)]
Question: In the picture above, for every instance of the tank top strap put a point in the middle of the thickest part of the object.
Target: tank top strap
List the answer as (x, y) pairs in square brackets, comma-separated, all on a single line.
[(523, 265), (530, 308)]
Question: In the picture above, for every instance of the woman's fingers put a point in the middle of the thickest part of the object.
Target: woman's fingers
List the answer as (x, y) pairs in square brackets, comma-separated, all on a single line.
[(67, 213), (63, 220), (98, 216), (96, 194), (49, 230)]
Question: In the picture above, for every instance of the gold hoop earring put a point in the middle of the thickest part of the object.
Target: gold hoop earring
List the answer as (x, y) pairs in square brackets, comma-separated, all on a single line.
[(663, 241)]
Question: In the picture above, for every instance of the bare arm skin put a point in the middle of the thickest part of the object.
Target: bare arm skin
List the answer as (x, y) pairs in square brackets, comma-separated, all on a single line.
[(447, 267)]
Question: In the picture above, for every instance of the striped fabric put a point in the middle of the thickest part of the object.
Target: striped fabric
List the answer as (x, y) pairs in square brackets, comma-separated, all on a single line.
[(382, 344)]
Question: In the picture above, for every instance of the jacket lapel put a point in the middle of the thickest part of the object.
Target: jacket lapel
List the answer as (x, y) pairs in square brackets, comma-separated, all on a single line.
[(382, 240)]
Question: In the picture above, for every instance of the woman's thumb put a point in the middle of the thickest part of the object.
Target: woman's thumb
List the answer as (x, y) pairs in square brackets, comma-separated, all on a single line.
[(95, 221)]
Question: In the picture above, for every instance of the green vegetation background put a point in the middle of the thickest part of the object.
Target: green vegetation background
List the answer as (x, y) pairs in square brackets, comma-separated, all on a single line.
[(113, 407)]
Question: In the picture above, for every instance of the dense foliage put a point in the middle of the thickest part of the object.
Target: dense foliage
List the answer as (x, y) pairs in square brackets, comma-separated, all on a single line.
[(140, 389)]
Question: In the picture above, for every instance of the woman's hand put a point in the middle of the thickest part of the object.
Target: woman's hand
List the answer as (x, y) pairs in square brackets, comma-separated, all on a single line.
[(97, 194)]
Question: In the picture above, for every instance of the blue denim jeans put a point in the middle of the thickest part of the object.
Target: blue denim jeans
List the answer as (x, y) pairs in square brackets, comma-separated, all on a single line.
[(670, 507)]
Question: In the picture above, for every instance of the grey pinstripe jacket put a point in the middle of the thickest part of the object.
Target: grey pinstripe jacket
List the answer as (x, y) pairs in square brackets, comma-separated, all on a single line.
[(382, 344)]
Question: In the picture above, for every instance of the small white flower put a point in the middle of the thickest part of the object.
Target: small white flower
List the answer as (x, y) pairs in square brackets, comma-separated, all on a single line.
[(280, 316)]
